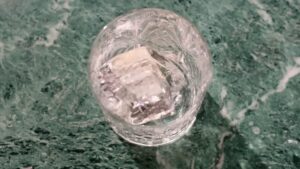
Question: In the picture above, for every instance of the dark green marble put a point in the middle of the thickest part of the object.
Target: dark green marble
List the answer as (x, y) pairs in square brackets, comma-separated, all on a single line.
[(249, 119)]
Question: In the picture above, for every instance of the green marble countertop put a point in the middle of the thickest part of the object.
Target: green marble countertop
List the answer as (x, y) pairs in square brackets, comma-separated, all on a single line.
[(249, 119)]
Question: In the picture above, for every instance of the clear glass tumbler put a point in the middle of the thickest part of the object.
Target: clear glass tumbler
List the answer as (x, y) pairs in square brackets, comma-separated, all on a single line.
[(149, 70)]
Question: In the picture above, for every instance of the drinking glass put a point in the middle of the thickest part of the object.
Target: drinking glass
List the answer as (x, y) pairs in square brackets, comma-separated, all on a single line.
[(149, 70)]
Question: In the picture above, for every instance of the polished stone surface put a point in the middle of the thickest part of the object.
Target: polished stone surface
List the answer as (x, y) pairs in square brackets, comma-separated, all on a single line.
[(249, 119)]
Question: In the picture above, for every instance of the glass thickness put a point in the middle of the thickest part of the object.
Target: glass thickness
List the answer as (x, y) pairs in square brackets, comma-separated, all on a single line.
[(149, 70)]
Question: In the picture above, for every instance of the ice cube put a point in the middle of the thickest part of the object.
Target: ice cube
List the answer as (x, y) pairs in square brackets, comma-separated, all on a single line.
[(136, 80)]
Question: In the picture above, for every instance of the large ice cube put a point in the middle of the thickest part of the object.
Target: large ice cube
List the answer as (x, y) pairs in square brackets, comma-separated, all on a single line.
[(135, 79)]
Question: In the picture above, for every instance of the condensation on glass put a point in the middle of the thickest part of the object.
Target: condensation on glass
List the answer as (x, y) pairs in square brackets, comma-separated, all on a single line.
[(149, 70)]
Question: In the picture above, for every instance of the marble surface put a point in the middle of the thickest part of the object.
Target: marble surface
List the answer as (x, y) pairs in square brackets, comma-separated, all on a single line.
[(249, 119)]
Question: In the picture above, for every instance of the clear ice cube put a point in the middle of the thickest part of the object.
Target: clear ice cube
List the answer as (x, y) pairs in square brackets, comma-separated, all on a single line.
[(135, 80)]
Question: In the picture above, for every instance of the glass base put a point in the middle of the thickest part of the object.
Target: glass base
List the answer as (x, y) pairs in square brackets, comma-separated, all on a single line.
[(153, 140)]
